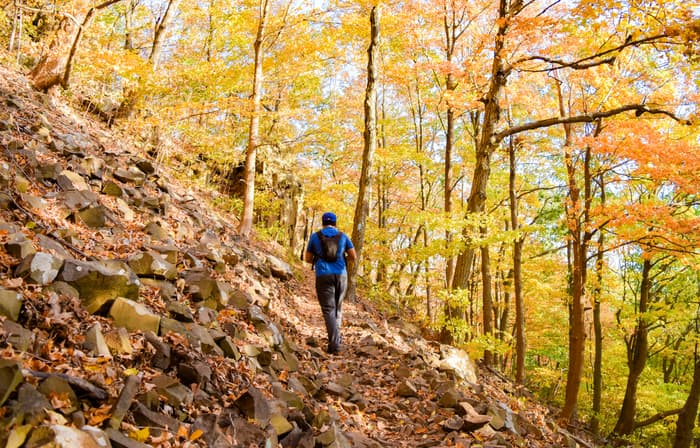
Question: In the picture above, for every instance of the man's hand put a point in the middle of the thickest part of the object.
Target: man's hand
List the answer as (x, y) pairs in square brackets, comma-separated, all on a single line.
[(308, 257)]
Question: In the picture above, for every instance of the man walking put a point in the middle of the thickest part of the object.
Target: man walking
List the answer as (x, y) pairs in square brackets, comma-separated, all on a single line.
[(327, 250)]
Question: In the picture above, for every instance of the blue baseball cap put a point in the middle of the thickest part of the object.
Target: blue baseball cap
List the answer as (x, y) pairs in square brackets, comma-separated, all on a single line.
[(328, 219)]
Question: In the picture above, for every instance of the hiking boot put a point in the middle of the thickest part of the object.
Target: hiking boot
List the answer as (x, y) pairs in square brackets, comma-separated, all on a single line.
[(335, 350)]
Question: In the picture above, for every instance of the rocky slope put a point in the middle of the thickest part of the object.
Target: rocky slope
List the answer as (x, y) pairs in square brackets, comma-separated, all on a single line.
[(131, 315)]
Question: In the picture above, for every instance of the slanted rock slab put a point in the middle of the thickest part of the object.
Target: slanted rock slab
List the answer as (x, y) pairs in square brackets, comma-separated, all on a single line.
[(100, 282), (69, 180), (10, 378), (152, 264), (406, 389), (174, 392), (60, 387), (95, 341), (457, 361), (119, 440), (279, 268), (134, 316), (68, 437), (253, 404), (10, 303), (93, 217), (19, 246), (280, 425), (126, 396), (20, 338), (40, 268)]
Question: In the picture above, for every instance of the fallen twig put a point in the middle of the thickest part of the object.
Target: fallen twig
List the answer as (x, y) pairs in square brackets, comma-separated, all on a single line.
[(94, 391)]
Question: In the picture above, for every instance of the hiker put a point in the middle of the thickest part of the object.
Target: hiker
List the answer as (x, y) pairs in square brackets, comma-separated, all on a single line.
[(327, 250)]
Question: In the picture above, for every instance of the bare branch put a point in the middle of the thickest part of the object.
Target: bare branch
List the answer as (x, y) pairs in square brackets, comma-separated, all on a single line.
[(593, 60), (657, 417), (544, 11), (576, 65), (638, 109)]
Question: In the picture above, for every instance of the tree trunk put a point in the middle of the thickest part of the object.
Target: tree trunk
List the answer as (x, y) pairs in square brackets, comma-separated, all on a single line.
[(449, 143), (382, 201), (453, 26), (578, 222), (686, 419), (370, 147), (55, 67), (577, 269), (164, 23), (51, 69), (484, 149), (417, 114), (577, 333), (637, 354), (597, 325), (487, 300), (246, 224), (129, 25), (517, 275), (16, 33)]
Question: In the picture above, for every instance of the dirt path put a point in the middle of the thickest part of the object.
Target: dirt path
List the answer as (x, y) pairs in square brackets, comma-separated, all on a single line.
[(362, 384)]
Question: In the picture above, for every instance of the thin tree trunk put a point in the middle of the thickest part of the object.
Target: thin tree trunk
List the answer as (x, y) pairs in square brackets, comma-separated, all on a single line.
[(577, 333), (484, 148), (382, 200), (370, 147), (453, 26), (520, 346), (16, 33), (74, 47), (417, 113), (686, 419), (487, 299), (129, 25), (637, 355), (449, 143), (164, 23), (210, 32), (597, 325), (246, 224)]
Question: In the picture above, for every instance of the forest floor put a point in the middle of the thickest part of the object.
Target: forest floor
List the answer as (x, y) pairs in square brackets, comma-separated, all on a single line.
[(378, 359)]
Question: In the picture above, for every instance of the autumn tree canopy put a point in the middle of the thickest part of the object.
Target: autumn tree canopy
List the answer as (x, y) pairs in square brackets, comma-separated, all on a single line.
[(531, 162)]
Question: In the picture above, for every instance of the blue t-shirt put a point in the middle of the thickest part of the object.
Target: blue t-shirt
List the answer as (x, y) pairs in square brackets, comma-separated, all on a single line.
[(324, 267)]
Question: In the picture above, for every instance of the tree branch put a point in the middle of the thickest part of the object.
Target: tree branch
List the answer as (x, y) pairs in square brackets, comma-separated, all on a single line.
[(656, 418), (638, 109), (576, 65), (590, 61)]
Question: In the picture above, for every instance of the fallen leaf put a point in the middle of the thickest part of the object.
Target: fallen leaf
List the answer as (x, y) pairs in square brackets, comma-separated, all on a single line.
[(182, 432), (14, 283), (98, 415), (196, 435), (141, 435), (17, 436)]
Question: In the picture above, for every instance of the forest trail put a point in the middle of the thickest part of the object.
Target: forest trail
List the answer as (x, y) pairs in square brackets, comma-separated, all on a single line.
[(371, 383)]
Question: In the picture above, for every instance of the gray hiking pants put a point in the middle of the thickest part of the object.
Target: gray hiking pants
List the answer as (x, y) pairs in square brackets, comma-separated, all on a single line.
[(331, 289)]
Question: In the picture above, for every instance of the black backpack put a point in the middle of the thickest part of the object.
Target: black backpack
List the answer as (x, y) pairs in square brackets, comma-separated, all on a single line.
[(329, 246)]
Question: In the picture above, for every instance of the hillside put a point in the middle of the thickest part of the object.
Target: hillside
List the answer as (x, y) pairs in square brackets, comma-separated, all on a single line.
[(132, 315)]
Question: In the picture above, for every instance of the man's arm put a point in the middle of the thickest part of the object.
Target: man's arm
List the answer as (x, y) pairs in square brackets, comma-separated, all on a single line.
[(351, 254), (308, 257)]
